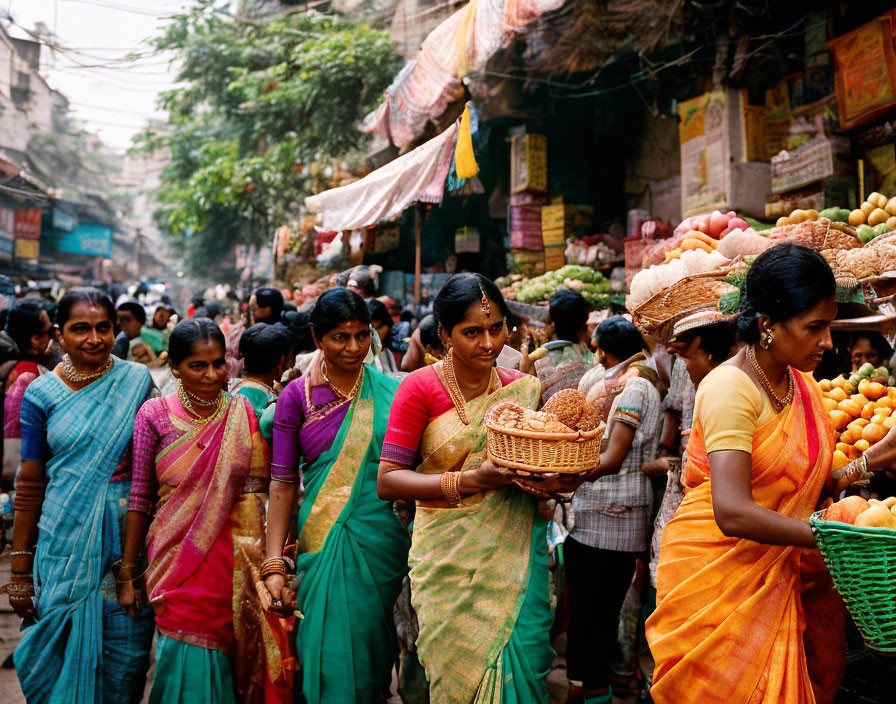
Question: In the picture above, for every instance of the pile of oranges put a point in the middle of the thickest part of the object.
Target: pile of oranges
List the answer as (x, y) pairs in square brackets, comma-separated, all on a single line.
[(862, 416)]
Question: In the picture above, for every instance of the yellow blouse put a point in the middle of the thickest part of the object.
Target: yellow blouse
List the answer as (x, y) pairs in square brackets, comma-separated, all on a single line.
[(730, 408)]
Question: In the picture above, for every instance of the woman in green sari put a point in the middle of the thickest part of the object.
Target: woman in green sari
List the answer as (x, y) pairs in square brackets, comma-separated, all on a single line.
[(479, 558), (352, 549)]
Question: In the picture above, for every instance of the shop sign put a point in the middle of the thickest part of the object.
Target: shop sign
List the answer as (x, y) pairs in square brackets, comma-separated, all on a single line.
[(87, 238), (703, 152), (7, 228), (27, 249), (27, 224), (64, 220), (865, 77), (528, 163)]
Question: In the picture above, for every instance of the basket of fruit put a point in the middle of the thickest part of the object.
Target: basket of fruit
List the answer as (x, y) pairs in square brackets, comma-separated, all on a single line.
[(857, 539), (564, 437)]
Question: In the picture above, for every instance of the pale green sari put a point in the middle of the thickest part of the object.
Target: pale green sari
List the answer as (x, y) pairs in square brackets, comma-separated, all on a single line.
[(479, 573)]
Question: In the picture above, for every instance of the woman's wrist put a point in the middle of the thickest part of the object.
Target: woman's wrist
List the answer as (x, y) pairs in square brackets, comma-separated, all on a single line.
[(874, 459)]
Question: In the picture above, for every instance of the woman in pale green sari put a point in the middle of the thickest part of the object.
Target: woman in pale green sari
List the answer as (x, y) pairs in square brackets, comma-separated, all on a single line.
[(352, 549), (479, 560)]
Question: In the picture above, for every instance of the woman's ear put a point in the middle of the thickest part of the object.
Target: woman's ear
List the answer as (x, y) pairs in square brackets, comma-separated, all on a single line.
[(316, 341), (58, 332), (444, 337)]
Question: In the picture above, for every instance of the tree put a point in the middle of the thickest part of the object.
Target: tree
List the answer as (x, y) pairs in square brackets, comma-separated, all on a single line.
[(263, 108)]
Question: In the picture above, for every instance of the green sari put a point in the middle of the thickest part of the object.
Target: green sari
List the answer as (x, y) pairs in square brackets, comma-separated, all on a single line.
[(479, 573), (352, 559)]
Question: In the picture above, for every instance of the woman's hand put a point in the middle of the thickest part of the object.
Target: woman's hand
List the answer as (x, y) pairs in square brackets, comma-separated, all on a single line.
[(127, 597), (275, 584), (283, 599), (550, 483), (20, 591), (657, 467), (882, 455), (486, 476)]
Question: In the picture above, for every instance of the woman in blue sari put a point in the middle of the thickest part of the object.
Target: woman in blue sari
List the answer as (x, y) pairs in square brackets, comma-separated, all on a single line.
[(72, 489)]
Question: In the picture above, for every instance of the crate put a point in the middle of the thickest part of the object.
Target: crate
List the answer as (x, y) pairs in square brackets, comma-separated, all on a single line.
[(554, 258), (553, 237)]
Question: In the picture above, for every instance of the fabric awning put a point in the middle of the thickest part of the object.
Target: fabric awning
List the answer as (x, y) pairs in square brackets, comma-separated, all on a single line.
[(416, 177), (430, 82)]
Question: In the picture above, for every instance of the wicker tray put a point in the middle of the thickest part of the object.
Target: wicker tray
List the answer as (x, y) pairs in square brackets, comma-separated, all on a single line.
[(541, 453), (659, 313), (862, 562)]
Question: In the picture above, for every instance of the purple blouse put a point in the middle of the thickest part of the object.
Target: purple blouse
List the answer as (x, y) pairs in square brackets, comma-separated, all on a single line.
[(303, 431)]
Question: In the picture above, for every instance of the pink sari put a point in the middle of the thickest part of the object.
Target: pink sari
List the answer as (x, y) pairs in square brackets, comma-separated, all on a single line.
[(206, 543)]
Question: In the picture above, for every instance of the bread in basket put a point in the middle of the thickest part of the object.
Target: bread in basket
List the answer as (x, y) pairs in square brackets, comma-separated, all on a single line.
[(538, 442)]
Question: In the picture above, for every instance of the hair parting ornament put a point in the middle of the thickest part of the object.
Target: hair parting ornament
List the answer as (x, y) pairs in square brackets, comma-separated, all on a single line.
[(486, 306)]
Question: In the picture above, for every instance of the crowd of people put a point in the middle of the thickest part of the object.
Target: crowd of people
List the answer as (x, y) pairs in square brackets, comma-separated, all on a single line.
[(297, 502)]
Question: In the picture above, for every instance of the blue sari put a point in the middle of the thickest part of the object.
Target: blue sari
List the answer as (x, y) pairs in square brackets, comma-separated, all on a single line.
[(82, 647)]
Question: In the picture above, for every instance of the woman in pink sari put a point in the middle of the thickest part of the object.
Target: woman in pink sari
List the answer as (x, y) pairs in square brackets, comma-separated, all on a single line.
[(199, 456)]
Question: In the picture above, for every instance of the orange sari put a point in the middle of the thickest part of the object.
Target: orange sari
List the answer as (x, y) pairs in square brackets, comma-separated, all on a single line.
[(729, 625)]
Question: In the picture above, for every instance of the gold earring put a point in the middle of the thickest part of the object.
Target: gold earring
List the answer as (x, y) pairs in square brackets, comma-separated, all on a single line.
[(766, 337)]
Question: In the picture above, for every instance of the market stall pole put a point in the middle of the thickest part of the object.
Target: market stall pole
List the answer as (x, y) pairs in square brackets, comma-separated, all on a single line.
[(418, 253)]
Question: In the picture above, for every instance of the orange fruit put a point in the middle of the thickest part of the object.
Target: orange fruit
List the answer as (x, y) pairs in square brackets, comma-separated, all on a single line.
[(857, 424), (889, 421), (868, 410), (839, 460), (860, 399), (838, 382), (863, 386), (874, 432), (843, 447), (875, 390), (883, 411), (824, 384), (839, 418), (838, 394), (885, 402), (851, 406), (861, 445), (849, 436), (828, 404)]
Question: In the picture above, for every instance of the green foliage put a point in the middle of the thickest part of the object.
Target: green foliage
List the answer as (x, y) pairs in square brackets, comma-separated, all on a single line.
[(260, 103)]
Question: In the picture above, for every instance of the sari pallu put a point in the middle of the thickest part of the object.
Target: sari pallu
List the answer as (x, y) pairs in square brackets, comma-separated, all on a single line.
[(206, 542), (729, 625), (83, 647), (352, 559), (479, 573)]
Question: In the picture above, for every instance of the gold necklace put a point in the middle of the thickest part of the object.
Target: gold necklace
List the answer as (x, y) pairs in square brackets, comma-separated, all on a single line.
[(355, 389), (198, 400), (454, 391), (73, 375), (184, 397), (763, 379)]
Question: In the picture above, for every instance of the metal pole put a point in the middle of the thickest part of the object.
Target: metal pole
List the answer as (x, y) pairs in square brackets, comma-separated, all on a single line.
[(418, 225)]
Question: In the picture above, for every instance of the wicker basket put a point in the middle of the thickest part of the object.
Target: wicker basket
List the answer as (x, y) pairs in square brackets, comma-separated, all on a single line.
[(862, 562), (565, 453), (659, 313)]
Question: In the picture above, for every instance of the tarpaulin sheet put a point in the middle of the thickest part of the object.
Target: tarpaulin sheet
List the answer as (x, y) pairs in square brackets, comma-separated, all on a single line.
[(418, 176), (429, 83)]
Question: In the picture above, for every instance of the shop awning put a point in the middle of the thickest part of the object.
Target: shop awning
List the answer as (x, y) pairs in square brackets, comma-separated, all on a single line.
[(430, 82), (416, 177)]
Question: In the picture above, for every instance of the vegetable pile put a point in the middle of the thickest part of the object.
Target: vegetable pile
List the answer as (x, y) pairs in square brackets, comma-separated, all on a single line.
[(593, 286)]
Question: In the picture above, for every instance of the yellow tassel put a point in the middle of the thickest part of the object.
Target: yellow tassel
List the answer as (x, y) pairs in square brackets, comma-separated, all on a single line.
[(464, 159)]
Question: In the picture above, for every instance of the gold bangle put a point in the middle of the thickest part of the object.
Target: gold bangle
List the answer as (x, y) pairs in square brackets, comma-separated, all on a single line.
[(857, 470), (448, 485)]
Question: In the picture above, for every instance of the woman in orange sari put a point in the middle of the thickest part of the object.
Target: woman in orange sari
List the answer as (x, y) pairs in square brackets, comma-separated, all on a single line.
[(746, 610)]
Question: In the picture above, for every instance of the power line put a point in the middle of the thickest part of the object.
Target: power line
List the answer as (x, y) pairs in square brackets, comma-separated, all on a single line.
[(122, 8)]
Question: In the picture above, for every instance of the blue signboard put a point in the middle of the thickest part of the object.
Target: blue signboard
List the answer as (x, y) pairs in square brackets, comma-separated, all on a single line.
[(86, 238), (64, 220)]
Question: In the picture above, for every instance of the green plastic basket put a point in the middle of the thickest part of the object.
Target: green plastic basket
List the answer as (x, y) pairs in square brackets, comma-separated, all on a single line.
[(862, 562)]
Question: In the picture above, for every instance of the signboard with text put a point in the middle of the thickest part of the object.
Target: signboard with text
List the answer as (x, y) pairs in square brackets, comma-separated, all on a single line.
[(87, 238)]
